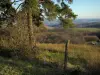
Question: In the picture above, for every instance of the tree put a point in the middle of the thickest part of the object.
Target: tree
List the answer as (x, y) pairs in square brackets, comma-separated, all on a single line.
[(35, 8), (31, 8), (65, 15), (60, 11), (7, 12)]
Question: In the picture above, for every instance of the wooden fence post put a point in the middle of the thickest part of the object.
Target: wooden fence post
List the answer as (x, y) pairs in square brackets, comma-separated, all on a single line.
[(66, 56)]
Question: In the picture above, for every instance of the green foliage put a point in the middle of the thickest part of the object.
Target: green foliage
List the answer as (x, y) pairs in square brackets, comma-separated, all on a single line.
[(9, 70), (67, 23), (65, 15), (60, 11), (49, 9), (31, 5), (7, 12)]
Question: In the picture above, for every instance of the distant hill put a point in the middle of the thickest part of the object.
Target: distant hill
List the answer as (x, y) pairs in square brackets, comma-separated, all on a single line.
[(80, 23), (87, 23), (54, 24)]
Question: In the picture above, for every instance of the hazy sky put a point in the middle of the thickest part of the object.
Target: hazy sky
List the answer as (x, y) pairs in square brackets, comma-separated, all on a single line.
[(86, 8)]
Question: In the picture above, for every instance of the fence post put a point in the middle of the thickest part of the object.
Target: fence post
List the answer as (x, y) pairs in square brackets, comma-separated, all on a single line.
[(66, 56)]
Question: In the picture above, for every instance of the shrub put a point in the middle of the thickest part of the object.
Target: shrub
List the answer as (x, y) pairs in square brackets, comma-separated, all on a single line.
[(91, 38), (7, 69), (60, 37), (17, 41)]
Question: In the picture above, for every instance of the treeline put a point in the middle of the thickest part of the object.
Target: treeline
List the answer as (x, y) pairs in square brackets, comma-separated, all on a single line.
[(89, 25)]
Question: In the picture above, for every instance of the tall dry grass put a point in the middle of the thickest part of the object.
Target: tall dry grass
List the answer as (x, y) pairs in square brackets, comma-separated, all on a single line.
[(90, 54)]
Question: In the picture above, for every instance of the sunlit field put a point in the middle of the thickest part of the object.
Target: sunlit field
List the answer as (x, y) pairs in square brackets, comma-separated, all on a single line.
[(90, 53)]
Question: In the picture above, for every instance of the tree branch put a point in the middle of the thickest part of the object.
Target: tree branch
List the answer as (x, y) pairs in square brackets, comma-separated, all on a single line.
[(16, 1), (19, 6)]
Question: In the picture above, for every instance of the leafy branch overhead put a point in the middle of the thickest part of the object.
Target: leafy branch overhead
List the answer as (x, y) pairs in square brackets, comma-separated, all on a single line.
[(60, 11), (40, 9), (6, 10)]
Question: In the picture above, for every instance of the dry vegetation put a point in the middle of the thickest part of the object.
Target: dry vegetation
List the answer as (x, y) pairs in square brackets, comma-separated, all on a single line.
[(83, 57), (90, 53), (17, 59)]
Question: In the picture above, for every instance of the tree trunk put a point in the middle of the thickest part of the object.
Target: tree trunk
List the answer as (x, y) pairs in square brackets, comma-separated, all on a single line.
[(30, 28)]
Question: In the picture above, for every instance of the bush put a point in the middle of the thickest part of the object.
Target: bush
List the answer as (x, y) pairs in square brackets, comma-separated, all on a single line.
[(17, 41), (60, 37), (9, 70), (91, 38), (50, 38), (27, 53)]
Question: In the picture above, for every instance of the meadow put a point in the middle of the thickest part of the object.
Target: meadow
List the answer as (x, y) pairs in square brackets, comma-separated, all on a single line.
[(50, 59), (83, 58)]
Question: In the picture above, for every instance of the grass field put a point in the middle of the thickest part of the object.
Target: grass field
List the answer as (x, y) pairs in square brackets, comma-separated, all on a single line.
[(50, 60), (89, 53)]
